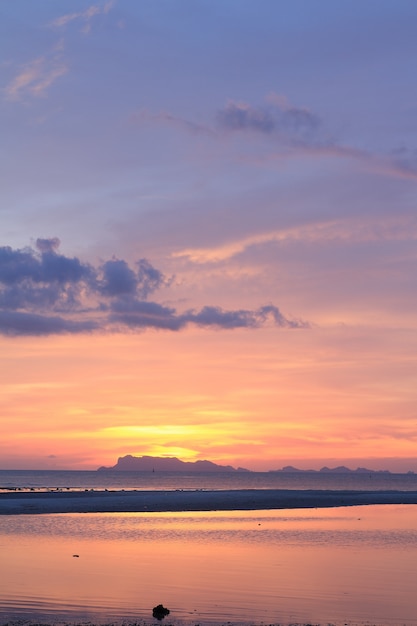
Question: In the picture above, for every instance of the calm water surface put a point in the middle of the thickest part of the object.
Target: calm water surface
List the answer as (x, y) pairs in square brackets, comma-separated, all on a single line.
[(355, 565), (113, 480)]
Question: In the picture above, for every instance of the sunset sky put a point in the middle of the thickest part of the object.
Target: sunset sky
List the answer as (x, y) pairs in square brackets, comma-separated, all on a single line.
[(208, 238)]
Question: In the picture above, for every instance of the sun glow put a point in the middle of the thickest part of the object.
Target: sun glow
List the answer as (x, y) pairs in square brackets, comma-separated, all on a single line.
[(85, 403)]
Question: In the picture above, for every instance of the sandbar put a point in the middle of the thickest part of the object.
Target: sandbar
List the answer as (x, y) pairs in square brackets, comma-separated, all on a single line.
[(17, 503)]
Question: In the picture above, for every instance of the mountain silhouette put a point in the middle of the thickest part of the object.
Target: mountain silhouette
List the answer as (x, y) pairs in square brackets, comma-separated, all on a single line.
[(131, 463)]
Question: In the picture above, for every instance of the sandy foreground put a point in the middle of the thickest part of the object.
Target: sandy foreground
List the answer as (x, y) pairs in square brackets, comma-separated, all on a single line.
[(16, 503)]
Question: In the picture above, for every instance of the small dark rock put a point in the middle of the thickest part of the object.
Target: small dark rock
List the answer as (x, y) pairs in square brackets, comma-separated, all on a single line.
[(159, 612)]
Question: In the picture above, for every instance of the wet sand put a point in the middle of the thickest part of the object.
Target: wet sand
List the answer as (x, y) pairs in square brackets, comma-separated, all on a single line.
[(170, 622), (16, 503), (175, 622)]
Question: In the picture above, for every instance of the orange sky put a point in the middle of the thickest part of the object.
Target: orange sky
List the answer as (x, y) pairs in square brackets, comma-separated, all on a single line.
[(257, 400)]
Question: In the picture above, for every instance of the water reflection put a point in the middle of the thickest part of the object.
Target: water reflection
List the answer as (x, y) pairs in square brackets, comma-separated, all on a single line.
[(327, 565)]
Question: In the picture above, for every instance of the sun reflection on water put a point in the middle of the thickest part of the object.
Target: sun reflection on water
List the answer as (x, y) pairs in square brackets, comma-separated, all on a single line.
[(328, 565)]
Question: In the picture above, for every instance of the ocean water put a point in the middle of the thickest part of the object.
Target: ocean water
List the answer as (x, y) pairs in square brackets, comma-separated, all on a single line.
[(81, 480)]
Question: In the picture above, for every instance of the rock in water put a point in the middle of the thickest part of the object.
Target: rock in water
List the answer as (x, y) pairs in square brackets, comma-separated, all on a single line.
[(159, 612)]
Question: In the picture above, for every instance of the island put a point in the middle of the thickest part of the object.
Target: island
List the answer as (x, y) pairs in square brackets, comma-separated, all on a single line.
[(130, 463)]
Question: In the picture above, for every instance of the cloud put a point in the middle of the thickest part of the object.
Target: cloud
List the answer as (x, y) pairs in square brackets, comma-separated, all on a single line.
[(294, 130), (136, 314), (18, 323), (164, 117), (346, 230), (35, 78), (240, 116), (43, 292), (276, 116), (43, 279), (48, 245), (48, 267), (85, 17), (215, 316), (149, 278), (118, 278)]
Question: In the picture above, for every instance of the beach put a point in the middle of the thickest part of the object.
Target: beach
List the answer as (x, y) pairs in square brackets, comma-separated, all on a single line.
[(89, 501), (308, 564), (237, 556)]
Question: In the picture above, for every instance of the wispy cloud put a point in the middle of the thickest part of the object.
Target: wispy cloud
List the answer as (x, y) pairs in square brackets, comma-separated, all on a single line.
[(85, 17), (276, 117), (291, 131), (35, 77), (164, 117), (342, 230), (43, 292)]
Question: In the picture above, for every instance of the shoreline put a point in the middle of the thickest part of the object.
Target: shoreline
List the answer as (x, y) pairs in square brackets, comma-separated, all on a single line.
[(29, 503), (175, 622), (88, 620)]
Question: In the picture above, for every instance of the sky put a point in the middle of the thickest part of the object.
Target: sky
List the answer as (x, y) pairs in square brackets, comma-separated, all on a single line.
[(208, 232)]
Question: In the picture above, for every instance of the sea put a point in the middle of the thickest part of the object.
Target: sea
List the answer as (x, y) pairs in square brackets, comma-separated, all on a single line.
[(29, 480), (354, 566)]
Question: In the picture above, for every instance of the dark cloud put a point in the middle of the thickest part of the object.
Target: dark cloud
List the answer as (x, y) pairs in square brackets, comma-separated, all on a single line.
[(117, 278), (276, 117), (17, 265), (17, 323), (60, 269), (48, 245), (149, 278), (26, 295), (46, 266), (215, 316), (140, 314), (244, 117), (271, 312), (43, 292)]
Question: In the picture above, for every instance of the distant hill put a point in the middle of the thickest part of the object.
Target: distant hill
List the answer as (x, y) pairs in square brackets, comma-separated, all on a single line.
[(131, 463), (341, 469)]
